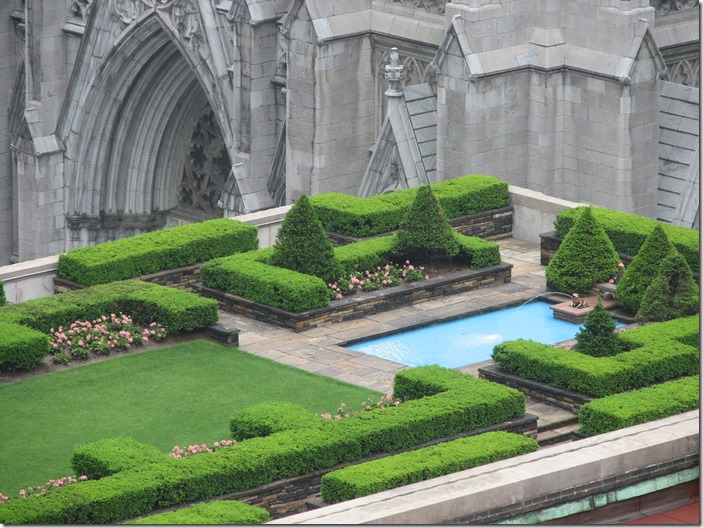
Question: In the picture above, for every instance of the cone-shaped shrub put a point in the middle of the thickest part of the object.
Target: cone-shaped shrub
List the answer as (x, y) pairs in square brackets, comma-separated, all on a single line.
[(673, 293), (598, 337), (302, 244), (3, 298), (586, 256), (425, 232), (643, 268)]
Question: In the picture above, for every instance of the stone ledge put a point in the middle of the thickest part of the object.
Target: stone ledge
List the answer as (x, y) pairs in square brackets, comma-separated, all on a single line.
[(221, 333), (531, 482)]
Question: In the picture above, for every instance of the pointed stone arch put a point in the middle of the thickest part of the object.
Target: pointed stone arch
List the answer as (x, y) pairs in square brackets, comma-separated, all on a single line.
[(139, 109)]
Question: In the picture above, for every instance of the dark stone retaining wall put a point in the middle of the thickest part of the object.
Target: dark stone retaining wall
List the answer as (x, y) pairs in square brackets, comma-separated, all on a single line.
[(356, 306), (491, 225), (549, 243), (181, 278), (571, 401), (298, 494)]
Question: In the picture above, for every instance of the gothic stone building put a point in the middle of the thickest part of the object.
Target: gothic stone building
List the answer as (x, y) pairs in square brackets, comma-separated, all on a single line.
[(123, 116)]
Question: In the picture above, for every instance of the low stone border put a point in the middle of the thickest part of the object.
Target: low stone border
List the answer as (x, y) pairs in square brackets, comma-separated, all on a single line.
[(181, 278), (299, 494), (490, 225), (571, 401), (356, 306)]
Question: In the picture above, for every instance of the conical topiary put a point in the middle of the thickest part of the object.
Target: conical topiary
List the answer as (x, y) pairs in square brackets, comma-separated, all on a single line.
[(586, 257), (598, 336), (302, 244), (673, 292), (643, 268), (425, 232)]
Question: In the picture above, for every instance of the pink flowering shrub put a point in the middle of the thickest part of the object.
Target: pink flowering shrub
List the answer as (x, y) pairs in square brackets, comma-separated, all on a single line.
[(101, 336), (345, 412), (194, 449), (383, 277), (42, 490)]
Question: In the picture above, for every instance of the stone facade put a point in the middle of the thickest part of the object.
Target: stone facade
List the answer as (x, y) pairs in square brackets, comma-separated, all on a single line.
[(124, 116)]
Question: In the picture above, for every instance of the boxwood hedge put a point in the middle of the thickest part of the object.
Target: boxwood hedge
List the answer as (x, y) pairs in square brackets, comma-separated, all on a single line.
[(422, 464), (24, 340), (629, 231), (657, 352), (21, 348), (216, 512), (272, 417), (465, 403), (361, 217), (109, 456), (248, 276), (159, 250), (640, 406)]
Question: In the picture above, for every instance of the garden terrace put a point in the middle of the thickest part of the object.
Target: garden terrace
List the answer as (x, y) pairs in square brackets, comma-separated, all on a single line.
[(448, 403)]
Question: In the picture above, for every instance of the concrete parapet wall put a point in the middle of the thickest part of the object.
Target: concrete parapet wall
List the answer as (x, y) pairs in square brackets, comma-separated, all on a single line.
[(534, 212), (529, 482)]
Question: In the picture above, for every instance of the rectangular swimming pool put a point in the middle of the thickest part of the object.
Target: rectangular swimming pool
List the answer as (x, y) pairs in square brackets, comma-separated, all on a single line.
[(470, 340)]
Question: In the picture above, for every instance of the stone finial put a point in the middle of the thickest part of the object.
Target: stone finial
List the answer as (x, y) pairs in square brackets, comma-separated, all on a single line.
[(394, 74)]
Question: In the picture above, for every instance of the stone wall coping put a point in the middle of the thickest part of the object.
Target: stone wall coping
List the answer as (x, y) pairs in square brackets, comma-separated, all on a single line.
[(539, 201), (515, 480), (29, 268)]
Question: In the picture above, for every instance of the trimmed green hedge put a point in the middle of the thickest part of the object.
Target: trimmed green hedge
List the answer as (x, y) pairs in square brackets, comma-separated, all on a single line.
[(268, 418), (657, 352), (254, 280), (422, 464), (216, 512), (477, 252), (640, 406), (23, 348), (465, 404), (629, 231), (146, 302), (361, 217), (109, 456), (159, 250), (365, 254)]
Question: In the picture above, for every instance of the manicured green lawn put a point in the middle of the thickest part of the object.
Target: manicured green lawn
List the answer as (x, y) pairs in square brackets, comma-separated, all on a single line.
[(176, 395)]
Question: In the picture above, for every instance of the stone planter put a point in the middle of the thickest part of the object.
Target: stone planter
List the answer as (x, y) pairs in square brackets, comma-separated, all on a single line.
[(356, 306), (571, 401), (491, 225), (181, 278)]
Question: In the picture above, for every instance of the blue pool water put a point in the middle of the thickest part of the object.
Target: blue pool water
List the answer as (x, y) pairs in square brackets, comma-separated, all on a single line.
[(470, 340)]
